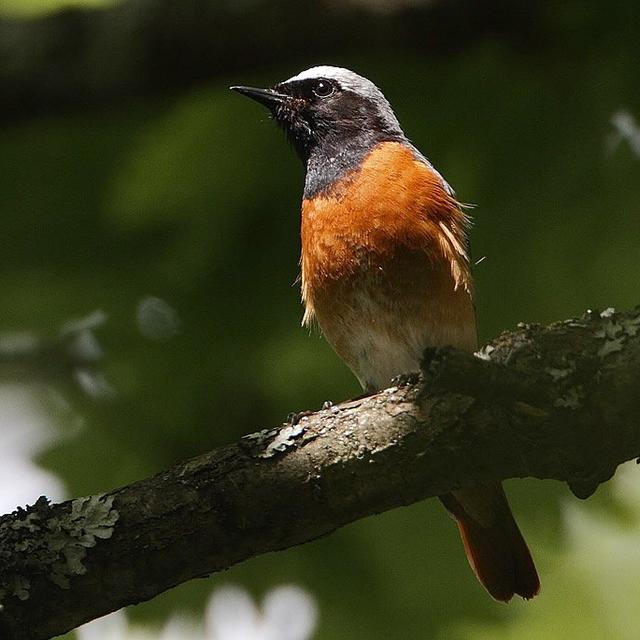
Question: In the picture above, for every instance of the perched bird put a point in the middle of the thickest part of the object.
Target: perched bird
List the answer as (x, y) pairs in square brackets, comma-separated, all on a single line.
[(385, 270)]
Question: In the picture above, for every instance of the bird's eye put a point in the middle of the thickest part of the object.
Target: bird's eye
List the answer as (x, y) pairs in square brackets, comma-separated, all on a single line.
[(323, 88)]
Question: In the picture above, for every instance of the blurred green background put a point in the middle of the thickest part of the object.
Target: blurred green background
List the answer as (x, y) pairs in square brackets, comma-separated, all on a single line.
[(133, 182)]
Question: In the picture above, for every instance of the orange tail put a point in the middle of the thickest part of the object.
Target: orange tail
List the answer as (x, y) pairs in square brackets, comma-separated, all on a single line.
[(493, 543)]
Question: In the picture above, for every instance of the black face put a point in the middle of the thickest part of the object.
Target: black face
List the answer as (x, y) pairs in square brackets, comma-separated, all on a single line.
[(333, 122), (318, 114)]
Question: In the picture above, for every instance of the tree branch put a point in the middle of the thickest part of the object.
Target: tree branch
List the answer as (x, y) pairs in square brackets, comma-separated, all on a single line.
[(549, 402)]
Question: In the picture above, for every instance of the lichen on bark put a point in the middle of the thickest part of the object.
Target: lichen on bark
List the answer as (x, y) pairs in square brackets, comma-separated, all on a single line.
[(41, 540)]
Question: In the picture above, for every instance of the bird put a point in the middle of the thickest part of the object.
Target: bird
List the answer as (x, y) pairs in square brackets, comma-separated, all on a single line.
[(385, 270)]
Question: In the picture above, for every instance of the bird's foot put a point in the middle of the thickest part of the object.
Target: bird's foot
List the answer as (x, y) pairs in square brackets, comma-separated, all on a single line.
[(295, 416), (405, 379)]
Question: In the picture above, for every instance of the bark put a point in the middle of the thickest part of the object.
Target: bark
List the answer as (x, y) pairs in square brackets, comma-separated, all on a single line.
[(555, 402)]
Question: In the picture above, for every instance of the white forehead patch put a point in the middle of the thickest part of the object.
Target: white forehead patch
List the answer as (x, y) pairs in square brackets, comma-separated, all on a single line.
[(351, 81), (325, 71), (346, 78)]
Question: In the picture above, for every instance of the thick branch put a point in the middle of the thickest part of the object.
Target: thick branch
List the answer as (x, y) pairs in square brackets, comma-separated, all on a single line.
[(557, 402)]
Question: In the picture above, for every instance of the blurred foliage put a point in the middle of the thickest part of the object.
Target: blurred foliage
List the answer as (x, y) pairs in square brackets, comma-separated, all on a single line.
[(22, 8), (192, 199)]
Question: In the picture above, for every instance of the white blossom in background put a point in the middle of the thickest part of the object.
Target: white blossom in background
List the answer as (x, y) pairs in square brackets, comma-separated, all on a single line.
[(116, 627), (287, 613), (25, 431), (625, 128), (111, 627)]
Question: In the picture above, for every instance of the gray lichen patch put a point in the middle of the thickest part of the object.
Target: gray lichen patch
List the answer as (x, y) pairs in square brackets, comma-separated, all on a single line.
[(52, 543), (260, 437), (572, 399), (268, 443), (610, 329), (485, 352), (611, 346), (616, 330), (559, 374), (631, 325), (284, 439)]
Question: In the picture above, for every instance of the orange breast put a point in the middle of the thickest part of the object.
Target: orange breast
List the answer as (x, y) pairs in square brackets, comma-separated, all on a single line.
[(384, 267)]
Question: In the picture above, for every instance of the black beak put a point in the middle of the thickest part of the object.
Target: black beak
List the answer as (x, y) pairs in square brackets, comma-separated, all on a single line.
[(268, 97)]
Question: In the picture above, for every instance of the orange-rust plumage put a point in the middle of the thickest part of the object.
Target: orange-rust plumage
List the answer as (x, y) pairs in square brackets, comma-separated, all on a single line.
[(384, 261)]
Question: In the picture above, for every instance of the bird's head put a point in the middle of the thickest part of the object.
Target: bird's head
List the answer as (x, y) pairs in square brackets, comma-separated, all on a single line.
[(329, 108)]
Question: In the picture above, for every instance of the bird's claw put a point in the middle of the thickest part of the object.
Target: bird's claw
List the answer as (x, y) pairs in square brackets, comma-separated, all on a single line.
[(294, 417), (405, 379)]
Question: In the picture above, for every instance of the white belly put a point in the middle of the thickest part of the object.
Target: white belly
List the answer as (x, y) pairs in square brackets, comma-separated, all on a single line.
[(380, 340)]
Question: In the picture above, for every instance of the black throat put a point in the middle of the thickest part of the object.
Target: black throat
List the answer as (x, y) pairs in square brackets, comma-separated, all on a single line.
[(332, 159)]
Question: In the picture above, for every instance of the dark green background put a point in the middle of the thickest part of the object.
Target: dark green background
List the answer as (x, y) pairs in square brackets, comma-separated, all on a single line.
[(192, 195)]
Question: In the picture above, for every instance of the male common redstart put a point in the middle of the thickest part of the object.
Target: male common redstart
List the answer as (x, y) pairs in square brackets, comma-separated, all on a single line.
[(385, 270)]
